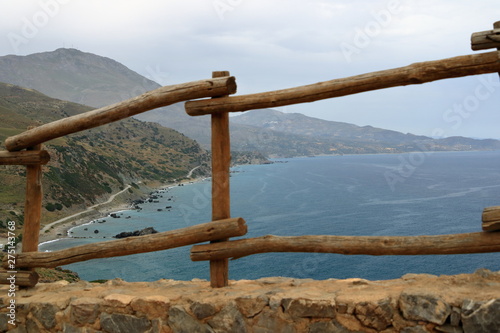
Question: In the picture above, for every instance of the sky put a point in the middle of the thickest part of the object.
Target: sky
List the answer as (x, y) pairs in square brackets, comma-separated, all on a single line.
[(276, 44)]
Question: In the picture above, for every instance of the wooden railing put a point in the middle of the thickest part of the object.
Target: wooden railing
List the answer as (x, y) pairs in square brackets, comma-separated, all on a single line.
[(223, 226)]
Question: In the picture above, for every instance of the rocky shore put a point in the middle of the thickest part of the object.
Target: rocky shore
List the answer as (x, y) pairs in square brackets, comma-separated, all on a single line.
[(59, 229)]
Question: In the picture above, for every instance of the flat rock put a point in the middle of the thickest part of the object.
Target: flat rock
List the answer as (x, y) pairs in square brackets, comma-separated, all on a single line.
[(117, 323), (181, 322), (426, 307), (481, 317)]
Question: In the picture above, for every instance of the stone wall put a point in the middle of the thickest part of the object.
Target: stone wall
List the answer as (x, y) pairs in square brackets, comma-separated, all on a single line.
[(412, 304)]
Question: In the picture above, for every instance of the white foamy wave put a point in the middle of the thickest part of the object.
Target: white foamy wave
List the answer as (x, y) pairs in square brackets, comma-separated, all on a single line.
[(48, 242)]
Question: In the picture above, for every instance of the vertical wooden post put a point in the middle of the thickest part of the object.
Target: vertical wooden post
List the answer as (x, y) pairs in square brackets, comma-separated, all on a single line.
[(496, 25), (32, 206), (221, 160)]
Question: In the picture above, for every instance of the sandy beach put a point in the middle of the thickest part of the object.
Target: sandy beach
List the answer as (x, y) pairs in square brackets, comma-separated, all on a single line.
[(59, 229)]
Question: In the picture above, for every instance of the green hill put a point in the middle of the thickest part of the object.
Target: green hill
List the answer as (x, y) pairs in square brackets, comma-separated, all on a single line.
[(86, 167), (90, 79)]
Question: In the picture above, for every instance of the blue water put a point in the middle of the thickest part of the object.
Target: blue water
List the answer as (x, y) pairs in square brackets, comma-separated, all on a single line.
[(403, 194)]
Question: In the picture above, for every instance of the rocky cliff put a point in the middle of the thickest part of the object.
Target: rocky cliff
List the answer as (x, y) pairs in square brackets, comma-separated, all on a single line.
[(86, 167)]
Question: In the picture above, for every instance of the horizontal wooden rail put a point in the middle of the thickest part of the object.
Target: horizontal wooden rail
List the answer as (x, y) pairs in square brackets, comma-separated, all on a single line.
[(491, 218), (156, 242), (19, 278), (413, 74), (489, 39), (368, 245), (25, 157), (154, 99)]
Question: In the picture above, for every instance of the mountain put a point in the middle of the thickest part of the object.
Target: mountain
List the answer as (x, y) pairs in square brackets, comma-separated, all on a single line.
[(297, 123), (86, 78), (86, 167), (349, 138), (89, 79), (75, 76)]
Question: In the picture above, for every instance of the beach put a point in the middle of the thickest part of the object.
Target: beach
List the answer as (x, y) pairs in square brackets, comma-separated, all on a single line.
[(59, 229)]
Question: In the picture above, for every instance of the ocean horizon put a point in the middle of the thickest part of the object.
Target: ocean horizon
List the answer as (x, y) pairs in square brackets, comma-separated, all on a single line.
[(409, 194)]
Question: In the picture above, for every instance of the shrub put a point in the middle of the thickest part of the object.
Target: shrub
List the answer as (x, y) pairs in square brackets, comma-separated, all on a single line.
[(67, 202), (50, 207)]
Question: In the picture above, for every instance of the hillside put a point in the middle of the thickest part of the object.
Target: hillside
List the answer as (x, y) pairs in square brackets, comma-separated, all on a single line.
[(296, 123), (87, 78), (244, 138), (86, 167), (349, 138)]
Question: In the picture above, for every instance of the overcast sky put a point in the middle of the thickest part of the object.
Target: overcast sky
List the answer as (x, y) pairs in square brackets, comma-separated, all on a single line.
[(271, 45)]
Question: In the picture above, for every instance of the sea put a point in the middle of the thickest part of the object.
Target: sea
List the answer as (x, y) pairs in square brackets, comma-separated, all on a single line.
[(410, 194)]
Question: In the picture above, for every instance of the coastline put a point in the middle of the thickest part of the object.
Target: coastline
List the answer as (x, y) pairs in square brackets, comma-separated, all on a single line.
[(267, 183), (59, 229)]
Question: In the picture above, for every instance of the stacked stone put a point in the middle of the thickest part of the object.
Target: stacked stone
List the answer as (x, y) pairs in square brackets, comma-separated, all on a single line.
[(261, 306)]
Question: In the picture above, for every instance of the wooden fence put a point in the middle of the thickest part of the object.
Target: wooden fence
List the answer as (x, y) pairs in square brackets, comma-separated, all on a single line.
[(26, 149)]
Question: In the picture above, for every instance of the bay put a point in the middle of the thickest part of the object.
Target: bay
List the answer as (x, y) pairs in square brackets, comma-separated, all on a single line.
[(412, 194)]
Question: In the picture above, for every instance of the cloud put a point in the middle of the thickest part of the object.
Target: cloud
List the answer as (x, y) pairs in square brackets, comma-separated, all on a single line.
[(277, 44)]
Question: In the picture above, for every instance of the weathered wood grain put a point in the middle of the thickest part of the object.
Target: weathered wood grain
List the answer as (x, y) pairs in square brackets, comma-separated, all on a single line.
[(32, 206), (480, 242), (154, 99), (491, 218), (21, 278), (25, 157), (221, 162), (413, 74), (156, 242), (489, 39)]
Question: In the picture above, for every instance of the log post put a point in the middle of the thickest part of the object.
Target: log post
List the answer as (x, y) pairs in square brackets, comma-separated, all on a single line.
[(24, 157), (151, 100), (417, 73), (491, 218), (221, 160), (32, 206), (132, 245), (496, 29), (484, 40), (478, 242), (21, 278)]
